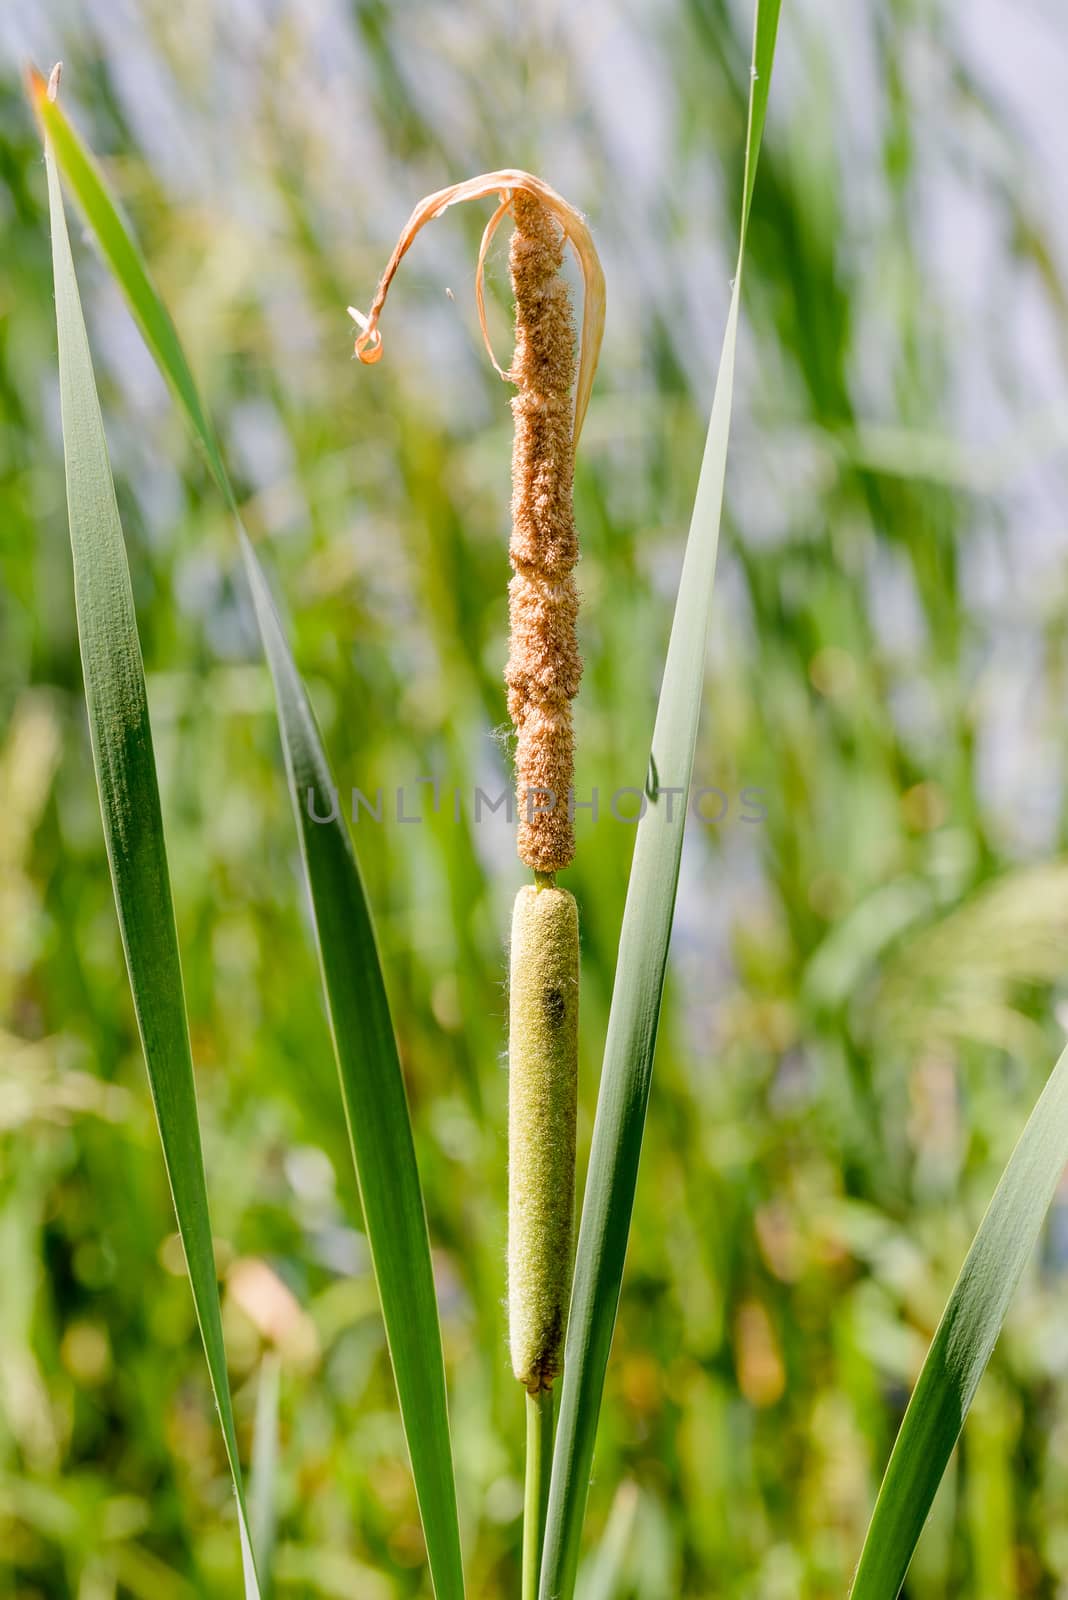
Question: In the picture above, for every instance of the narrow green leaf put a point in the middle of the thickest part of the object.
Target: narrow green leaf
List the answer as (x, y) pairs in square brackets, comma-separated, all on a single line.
[(120, 250), (263, 1475), (376, 1108), (372, 1085), (628, 1060), (963, 1343), (765, 29), (130, 808), (603, 1575)]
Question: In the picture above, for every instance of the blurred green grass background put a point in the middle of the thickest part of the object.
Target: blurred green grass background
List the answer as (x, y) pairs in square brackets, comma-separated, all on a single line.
[(866, 988)]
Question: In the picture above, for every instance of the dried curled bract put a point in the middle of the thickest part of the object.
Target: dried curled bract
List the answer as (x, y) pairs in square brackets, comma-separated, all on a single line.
[(505, 184)]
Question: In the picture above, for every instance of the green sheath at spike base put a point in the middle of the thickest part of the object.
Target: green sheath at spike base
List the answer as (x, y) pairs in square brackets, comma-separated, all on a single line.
[(542, 1088)]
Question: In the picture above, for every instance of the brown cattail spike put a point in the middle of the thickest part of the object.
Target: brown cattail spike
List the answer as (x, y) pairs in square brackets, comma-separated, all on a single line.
[(544, 665)]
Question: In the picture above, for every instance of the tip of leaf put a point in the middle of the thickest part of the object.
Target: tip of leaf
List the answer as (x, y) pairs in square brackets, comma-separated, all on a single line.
[(41, 89)]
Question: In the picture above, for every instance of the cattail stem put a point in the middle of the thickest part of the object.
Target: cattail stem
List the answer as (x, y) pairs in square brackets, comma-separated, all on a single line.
[(536, 1497), (542, 1085), (543, 672)]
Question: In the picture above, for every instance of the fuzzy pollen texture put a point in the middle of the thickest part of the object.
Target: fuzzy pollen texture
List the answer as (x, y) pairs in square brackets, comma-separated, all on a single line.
[(542, 1093), (544, 665)]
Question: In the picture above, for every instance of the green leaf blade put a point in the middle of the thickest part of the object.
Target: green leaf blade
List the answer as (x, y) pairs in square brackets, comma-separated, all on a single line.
[(82, 172), (372, 1085), (632, 1027), (963, 1343), (373, 1095), (130, 809), (263, 1473)]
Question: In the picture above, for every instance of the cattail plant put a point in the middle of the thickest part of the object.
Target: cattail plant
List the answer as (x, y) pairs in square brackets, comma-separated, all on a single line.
[(542, 674)]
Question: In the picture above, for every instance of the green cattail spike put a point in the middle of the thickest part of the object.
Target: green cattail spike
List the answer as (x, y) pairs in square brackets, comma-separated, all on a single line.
[(542, 1092)]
